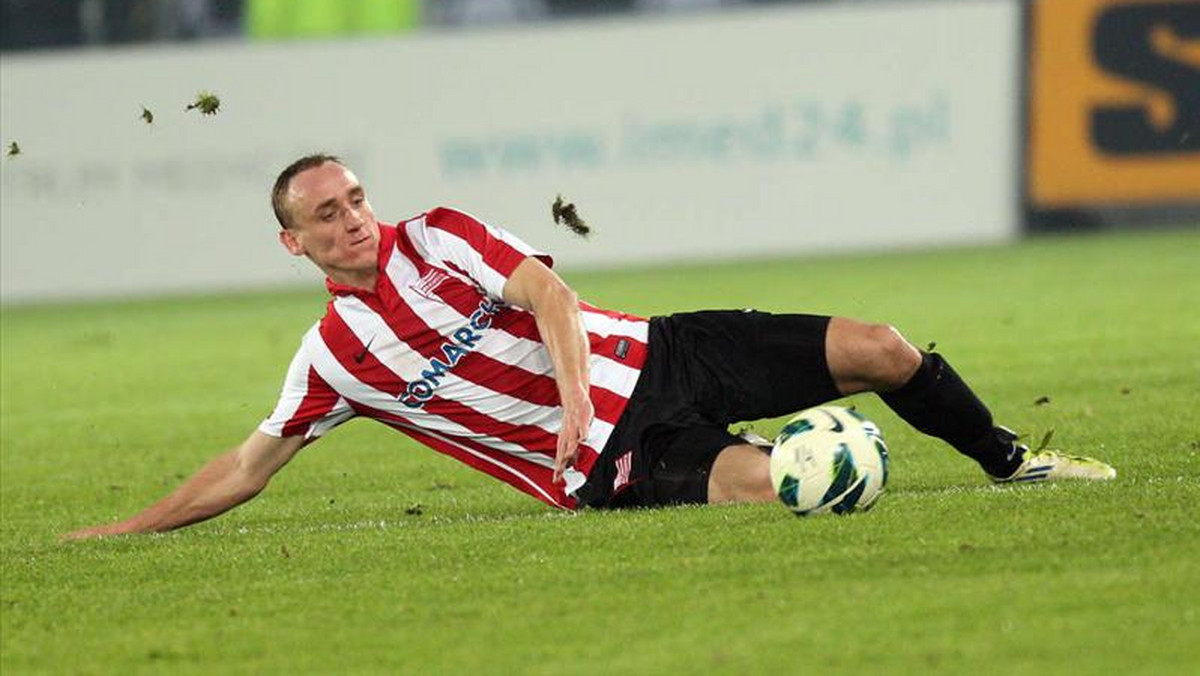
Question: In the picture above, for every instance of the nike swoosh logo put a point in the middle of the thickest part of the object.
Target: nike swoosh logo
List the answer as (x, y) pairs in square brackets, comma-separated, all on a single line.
[(358, 358), (837, 424)]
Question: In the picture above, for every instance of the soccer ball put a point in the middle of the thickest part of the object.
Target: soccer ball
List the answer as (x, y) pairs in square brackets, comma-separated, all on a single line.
[(829, 459)]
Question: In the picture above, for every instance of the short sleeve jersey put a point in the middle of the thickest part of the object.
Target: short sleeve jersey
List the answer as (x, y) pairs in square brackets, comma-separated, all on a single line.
[(434, 352)]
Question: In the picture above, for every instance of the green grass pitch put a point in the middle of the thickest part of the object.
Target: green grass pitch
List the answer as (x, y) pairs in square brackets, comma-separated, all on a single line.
[(371, 554)]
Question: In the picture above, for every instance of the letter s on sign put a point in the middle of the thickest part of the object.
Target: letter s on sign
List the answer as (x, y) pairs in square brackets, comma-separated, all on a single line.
[(1129, 41)]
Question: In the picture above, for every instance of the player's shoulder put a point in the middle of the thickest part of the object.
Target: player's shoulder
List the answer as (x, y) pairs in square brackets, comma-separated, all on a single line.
[(449, 218)]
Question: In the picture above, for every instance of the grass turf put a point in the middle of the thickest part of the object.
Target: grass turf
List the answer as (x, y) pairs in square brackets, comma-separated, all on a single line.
[(372, 554)]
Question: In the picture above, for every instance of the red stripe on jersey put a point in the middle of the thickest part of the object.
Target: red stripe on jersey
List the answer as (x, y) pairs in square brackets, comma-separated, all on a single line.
[(318, 401), (496, 254), (518, 323), (387, 242), (608, 405), (633, 354), (514, 381), (584, 305)]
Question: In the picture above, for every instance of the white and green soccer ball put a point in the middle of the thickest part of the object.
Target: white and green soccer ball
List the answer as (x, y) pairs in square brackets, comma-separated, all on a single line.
[(829, 459)]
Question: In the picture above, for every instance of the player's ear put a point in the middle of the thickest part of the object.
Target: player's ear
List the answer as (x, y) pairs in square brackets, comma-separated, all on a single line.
[(288, 239)]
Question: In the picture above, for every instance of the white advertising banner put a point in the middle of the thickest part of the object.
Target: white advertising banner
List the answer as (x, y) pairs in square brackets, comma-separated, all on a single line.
[(735, 134)]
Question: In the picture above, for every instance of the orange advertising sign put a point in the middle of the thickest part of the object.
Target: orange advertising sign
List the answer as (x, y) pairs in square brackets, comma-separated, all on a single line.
[(1114, 114)]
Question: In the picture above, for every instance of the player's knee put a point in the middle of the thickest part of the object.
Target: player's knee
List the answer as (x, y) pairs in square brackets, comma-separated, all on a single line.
[(893, 359), (741, 474)]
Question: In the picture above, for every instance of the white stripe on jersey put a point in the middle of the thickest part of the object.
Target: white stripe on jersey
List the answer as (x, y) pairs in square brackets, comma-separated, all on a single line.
[(604, 325), (612, 375)]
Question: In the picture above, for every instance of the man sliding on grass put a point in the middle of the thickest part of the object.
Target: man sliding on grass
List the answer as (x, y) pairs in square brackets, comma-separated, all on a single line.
[(460, 335)]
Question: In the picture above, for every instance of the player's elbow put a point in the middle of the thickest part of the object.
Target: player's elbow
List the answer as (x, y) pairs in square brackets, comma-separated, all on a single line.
[(242, 490), (554, 294), (563, 293), (252, 483), (247, 481)]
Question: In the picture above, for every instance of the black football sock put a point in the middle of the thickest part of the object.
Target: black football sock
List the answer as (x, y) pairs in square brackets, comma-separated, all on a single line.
[(937, 402)]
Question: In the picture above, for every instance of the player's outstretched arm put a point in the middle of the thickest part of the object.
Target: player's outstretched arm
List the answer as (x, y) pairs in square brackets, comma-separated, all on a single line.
[(224, 483), (555, 306)]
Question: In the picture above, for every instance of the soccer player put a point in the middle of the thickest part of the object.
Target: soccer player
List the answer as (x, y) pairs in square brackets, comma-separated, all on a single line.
[(461, 336)]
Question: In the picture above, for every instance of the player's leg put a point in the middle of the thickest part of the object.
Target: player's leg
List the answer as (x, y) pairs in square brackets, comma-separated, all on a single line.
[(920, 387), (868, 357), (735, 366), (741, 473), (926, 392)]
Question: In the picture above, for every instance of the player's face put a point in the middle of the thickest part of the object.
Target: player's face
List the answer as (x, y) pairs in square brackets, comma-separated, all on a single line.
[(332, 223)]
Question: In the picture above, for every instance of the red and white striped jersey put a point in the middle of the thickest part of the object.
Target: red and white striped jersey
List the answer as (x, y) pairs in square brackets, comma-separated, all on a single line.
[(435, 353)]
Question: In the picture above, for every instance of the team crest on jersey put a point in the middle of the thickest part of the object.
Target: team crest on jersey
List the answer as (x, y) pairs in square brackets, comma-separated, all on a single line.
[(428, 282), (461, 343)]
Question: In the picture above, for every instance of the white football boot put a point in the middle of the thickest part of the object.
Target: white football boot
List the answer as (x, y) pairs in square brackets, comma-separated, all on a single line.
[(1047, 465)]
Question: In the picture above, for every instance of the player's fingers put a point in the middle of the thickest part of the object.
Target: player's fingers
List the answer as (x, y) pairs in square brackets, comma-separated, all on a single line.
[(560, 456), (83, 534)]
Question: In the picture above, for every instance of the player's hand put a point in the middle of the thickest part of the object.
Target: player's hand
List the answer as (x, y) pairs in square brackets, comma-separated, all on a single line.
[(577, 420), (94, 532)]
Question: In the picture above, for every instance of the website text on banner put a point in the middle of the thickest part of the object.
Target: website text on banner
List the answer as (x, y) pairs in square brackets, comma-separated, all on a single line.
[(780, 131)]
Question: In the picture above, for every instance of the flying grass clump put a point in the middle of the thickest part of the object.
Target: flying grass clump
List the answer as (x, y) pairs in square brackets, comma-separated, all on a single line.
[(147, 116), (207, 103), (1043, 444), (13, 149), (564, 213)]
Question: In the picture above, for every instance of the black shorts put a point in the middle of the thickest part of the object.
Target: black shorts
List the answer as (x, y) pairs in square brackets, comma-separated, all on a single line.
[(703, 372)]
